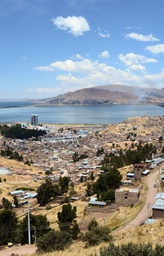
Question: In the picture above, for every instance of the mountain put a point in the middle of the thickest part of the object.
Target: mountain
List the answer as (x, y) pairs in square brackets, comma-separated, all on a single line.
[(108, 94)]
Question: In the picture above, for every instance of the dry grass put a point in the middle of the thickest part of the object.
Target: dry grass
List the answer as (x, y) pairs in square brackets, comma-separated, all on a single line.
[(152, 233), (75, 249)]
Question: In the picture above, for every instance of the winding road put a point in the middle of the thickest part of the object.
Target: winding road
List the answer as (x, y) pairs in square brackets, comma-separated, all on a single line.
[(140, 218), (151, 179)]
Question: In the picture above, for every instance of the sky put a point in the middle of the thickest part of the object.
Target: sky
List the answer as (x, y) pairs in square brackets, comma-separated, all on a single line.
[(50, 47)]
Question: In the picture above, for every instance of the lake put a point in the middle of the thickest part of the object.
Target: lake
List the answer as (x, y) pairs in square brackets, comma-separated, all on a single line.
[(21, 112)]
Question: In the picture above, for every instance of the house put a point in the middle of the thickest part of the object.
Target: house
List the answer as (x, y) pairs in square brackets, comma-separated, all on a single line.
[(138, 169), (130, 175), (162, 180), (126, 182), (158, 207), (93, 202), (126, 196), (17, 193)]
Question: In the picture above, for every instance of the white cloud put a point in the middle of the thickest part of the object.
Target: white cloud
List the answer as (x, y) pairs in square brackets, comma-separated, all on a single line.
[(44, 68), (41, 90), (133, 61), (105, 55), (143, 38), (158, 48), (138, 67), (84, 65), (104, 34), (74, 25), (84, 72), (154, 80), (129, 27)]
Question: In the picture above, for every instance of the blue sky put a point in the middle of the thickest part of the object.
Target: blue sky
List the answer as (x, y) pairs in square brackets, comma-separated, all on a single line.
[(49, 47)]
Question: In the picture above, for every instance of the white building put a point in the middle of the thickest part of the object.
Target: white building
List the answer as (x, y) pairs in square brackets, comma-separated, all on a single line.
[(34, 119)]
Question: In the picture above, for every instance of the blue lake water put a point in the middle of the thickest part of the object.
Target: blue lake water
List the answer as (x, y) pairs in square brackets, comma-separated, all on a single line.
[(76, 114)]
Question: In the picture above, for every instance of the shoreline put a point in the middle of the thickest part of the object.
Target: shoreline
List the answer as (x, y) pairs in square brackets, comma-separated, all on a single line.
[(42, 105)]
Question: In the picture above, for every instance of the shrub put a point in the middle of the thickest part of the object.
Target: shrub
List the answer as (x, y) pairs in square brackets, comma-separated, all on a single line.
[(54, 241), (131, 249), (96, 234)]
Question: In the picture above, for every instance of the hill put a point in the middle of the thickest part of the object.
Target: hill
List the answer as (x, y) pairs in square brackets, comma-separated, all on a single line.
[(108, 94)]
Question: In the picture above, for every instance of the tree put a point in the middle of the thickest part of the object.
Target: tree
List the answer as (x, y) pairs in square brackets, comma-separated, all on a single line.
[(53, 241), (89, 190), (16, 202), (46, 191), (92, 224), (132, 249), (96, 234), (66, 217), (64, 184), (38, 224), (108, 195), (107, 183), (75, 230), (92, 176), (18, 132), (8, 226), (75, 157), (7, 205)]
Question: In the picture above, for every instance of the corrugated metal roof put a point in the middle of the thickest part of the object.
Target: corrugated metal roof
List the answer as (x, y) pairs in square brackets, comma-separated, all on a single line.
[(159, 201), (159, 196), (97, 203)]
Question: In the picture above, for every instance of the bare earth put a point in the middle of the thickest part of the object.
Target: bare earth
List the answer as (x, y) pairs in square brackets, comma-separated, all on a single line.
[(20, 250), (151, 193)]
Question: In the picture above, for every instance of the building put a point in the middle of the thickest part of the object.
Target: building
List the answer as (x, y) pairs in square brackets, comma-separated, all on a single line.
[(126, 196), (138, 169), (158, 207), (93, 202), (34, 119)]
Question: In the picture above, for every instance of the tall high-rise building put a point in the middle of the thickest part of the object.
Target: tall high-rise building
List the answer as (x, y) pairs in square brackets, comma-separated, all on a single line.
[(34, 119)]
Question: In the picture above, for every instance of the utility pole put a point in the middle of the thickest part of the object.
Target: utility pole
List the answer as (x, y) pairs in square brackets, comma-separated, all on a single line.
[(125, 219), (29, 231), (104, 220), (35, 234)]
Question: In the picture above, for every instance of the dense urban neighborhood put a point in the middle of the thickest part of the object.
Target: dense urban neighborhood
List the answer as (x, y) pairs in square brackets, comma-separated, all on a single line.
[(93, 173)]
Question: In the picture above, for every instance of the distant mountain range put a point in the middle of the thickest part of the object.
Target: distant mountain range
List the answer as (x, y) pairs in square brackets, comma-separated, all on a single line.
[(107, 95)]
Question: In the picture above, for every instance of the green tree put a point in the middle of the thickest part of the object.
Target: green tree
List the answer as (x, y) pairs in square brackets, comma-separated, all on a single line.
[(89, 190), (108, 195), (131, 249), (75, 157), (7, 205), (64, 184), (66, 217), (16, 202), (54, 241), (75, 230), (92, 177), (92, 224), (38, 224), (109, 181), (8, 226), (46, 192), (96, 234)]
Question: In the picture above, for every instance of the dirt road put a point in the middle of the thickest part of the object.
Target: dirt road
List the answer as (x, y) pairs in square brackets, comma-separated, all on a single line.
[(20, 250), (141, 217), (150, 196)]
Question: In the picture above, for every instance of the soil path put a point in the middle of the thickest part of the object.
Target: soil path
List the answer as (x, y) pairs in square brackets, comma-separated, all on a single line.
[(150, 197), (19, 250)]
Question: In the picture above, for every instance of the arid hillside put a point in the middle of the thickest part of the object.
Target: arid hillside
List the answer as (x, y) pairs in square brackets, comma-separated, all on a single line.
[(108, 94)]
